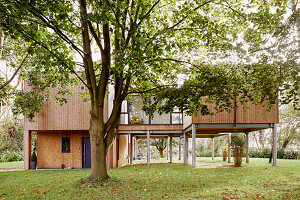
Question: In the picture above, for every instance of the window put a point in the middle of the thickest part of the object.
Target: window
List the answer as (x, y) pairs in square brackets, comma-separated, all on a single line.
[(66, 145), (132, 113)]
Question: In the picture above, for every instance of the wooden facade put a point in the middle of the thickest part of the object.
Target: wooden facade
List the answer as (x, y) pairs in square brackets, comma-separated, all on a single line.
[(253, 114), (72, 120)]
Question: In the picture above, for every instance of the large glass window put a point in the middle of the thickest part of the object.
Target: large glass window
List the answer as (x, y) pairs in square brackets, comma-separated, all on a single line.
[(136, 113), (132, 113), (161, 119)]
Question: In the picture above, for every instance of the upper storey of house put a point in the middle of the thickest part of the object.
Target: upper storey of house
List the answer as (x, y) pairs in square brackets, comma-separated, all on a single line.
[(75, 115)]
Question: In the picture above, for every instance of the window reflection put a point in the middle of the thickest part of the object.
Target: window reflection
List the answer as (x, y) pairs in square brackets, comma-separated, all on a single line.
[(132, 113)]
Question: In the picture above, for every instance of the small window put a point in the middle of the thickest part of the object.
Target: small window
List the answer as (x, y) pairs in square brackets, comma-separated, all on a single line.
[(66, 145)]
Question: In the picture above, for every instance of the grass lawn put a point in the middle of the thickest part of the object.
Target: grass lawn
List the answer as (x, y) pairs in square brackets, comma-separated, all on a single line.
[(12, 165), (258, 180)]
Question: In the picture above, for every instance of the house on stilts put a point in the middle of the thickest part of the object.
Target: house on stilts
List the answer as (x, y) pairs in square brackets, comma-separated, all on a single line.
[(62, 136)]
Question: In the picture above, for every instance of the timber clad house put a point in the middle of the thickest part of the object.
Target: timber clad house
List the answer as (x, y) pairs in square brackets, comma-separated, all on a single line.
[(63, 136)]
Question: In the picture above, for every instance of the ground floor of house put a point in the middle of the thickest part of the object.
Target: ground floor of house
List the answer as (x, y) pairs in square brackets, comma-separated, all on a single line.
[(72, 149)]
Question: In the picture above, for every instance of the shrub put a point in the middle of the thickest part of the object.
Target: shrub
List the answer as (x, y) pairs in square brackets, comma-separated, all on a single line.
[(237, 143), (238, 156), (225, 154), (33, 157), (10, 156), (287, 154)]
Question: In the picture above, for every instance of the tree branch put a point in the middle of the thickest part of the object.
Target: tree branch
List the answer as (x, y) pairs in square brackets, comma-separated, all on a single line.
[(176, 24), (95, 36), (53, 26), (15, 73)]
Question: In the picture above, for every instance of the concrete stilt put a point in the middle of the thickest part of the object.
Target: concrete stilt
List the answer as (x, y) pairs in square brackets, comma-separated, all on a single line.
[(274, 145), (193, 145), (148, 147)]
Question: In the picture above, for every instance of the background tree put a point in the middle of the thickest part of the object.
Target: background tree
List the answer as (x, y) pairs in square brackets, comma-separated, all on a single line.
[(160, 144), (142, 47)]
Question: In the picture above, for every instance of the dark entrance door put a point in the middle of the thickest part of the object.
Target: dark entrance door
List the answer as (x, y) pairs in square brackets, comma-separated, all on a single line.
[(86, 152)]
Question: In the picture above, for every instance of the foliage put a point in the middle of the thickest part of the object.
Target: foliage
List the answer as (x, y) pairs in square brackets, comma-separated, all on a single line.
[(257, 153), (237, 143), (280, 182), (289, 127), (281, 153), (237, 140), (11, 134), (10, 156), (224, 154), (33, 157)]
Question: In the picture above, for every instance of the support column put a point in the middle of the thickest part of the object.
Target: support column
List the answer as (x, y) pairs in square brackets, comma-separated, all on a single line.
[(247, 146), (167, 148), (229, 147), (185, 148), (193, 145), (130, 148), (171, 139), (27, 148), (148, 147), (212, 148), (274, 145), (135, 148), (179, 150)]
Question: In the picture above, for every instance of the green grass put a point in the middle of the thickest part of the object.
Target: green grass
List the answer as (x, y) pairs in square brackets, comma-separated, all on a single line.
[(258, 180), (12, 165)]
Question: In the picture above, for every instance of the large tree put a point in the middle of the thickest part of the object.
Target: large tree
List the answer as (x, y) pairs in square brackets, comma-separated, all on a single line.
[(143, 47)]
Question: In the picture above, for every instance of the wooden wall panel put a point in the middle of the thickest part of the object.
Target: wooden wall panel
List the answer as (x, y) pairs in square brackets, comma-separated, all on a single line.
[(123, 150), (49, 149), (74, 115), (255, 114)]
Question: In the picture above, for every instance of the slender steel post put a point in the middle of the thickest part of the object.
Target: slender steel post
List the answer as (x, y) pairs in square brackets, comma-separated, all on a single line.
[(193, 145), (275, 145), (247, 147), (229, 147), (167, 148), (148, 147), (171, 139), (179, 149), (212, 148), (185, 148)]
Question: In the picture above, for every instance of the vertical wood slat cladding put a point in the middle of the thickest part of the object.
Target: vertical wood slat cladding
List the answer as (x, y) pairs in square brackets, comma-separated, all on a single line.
[(123, 150), (255, 114), (49, 149), (73, 115)]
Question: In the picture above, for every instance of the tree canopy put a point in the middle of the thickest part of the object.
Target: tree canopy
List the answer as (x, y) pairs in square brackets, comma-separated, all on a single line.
[(147, 48)]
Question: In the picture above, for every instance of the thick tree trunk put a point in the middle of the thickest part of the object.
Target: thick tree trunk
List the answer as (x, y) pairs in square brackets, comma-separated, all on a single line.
[(161, 152), (98, 151)]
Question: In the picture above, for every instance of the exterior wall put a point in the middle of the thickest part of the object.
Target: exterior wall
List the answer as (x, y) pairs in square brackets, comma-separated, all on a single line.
[(255, 114), (73, 115), (187, 120), (49, 149), (123, 150)]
